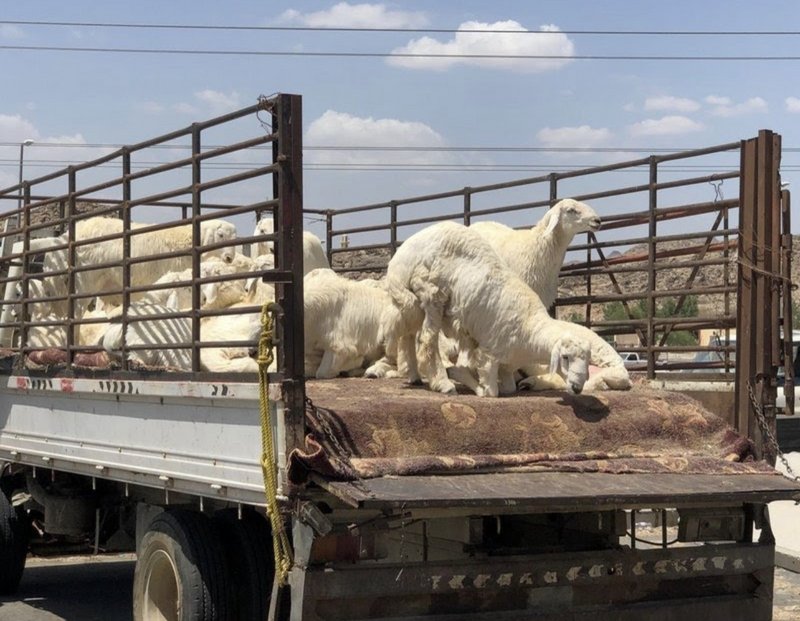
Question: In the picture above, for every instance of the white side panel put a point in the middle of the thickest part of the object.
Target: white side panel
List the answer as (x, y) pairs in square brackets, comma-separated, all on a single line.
[(196, 438)]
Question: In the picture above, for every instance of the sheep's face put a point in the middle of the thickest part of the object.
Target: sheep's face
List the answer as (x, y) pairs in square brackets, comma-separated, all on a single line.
[(261, 263), (570, 359), (575, 217), (218, 231)]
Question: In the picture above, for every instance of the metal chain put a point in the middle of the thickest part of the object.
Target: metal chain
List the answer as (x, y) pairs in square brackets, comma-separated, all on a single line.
[(772, 441)]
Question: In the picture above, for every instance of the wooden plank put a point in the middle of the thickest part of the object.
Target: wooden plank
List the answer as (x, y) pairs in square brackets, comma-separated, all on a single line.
[(563, 491)]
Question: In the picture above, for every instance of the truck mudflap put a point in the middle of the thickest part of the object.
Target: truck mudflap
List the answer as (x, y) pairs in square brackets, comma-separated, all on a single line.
[(730, 581), (562, 491)]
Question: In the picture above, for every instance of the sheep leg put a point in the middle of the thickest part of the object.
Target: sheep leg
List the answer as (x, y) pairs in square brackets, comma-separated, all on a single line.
[(407, 349), (463, 375), (429, 342), (487, 376), (506, 380), (387, 365), (544, 381)]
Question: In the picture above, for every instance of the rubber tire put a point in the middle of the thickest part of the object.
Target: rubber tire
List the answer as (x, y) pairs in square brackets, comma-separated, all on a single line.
[(14, 536), (190, 542), (248, 545)]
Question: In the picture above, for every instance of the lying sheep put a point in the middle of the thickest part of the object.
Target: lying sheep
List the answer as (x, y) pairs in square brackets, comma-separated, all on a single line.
[(447, 277), (108, 279), (344, 323), (212, 294), (313, 254), (55, 335)]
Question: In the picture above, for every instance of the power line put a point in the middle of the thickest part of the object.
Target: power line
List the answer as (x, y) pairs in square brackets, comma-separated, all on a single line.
[(693, 33), (121, 50)]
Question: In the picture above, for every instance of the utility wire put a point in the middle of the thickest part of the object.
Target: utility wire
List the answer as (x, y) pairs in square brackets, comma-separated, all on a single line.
[(693, 33), (121, 50)]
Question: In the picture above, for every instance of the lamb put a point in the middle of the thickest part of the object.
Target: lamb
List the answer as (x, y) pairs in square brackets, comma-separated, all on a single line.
[(212, 294), (536, 254), (344, 322), (313, 254), (447, 277), (160, 334), (108, 279)]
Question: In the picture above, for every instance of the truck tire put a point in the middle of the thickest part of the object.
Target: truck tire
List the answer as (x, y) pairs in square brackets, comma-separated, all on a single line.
[(14, 535), (248, 546), (181, 572)]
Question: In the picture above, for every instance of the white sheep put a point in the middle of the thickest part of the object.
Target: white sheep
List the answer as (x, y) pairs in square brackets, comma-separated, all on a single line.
[(219, 294), (158, 333), (55, 335), (106, 279), (344, 322), (447, 277), (537, 254), (313, 254)]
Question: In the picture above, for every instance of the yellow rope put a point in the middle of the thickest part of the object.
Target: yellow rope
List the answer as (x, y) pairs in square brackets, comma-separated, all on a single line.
[(280, 540)]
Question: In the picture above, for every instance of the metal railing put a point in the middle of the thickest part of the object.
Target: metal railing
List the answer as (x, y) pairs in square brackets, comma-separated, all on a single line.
[(181, 192)]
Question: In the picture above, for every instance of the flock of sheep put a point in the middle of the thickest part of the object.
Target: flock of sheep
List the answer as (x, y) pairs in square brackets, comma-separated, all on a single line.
[(458, 304), (470, 303)]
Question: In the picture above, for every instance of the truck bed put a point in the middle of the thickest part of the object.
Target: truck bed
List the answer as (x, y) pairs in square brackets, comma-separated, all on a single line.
[(393, 443)]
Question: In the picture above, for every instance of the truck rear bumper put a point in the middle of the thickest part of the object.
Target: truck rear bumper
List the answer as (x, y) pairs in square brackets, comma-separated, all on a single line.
[(721, 581)]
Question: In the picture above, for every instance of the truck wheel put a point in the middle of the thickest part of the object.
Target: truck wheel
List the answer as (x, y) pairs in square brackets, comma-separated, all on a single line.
[(14, 535), (248, 545), (181, 573)]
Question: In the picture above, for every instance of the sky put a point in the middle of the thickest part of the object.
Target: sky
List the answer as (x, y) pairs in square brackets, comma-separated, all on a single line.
[(477, 121)]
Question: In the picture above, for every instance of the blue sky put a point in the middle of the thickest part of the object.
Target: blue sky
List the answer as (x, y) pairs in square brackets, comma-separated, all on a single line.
[(104, 98)]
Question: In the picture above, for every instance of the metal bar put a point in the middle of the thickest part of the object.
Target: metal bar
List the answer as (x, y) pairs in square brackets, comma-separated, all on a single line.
[(786, 292), (196, 240), (289, 156), (651, 274), (126, 252)]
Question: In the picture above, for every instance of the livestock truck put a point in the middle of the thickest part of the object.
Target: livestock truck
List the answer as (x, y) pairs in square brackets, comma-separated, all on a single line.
[(272, 495)]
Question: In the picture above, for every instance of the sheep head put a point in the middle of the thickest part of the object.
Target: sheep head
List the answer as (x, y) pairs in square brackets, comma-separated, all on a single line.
[(217, 231), (570, 359), (572, 217), (266, 226)]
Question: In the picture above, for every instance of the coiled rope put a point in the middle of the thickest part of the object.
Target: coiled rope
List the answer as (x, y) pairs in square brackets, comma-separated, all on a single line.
[(280, 539)]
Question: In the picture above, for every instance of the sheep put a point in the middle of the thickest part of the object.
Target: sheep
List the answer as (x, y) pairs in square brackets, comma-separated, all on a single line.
[(344, 323), (158, 333), (55, 335), (536, 254), (212, 294), (313, 254), (447, 277), (108, 279)]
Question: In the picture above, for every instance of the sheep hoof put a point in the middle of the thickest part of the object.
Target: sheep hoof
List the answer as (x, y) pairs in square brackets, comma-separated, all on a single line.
[(415, 382)]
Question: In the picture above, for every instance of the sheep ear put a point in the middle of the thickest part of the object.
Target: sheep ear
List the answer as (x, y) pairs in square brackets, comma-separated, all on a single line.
[(172, 301), (555, 358), (99, 305), (553, 216)]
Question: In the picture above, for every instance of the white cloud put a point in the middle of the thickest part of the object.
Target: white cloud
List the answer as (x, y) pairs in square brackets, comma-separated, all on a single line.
[(792, 104), (345, 15), (582, 136), (667, 102), (716, 100), (14, 128), (665, 126), (218, 101), (749, 106), (554, 43), (339, 129)]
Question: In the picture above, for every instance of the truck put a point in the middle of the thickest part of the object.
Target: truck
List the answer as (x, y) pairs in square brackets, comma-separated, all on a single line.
[(273, 495)]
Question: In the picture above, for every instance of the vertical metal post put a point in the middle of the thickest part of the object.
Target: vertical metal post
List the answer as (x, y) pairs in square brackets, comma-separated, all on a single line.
[(71, 262), (467, 206), (328, 232), (196, 241), (289, 185), (745, 303), (393, 226), (26, 245), (651, 269), (126, 250), (786, 292)]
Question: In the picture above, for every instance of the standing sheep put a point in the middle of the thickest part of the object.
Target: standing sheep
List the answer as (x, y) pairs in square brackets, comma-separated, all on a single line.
[(313, 254), (446, 277)]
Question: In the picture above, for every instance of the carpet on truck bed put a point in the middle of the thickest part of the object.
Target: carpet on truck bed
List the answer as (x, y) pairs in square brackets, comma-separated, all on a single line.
[(361, 428)]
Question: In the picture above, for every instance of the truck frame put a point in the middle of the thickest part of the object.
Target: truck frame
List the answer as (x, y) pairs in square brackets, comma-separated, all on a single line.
[(193, 468)]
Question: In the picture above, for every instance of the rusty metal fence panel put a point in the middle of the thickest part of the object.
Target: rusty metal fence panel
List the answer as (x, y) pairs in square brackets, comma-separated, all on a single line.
[(259, 163), (672, 222)]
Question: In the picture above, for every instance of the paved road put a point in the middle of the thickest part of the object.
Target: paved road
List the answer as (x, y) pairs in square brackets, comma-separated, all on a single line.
[(73, 589), (87, 589)]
